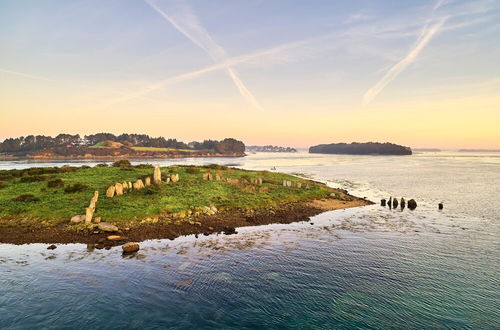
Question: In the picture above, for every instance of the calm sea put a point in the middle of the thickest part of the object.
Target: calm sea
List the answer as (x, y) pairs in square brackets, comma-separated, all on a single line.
[(367, 267)]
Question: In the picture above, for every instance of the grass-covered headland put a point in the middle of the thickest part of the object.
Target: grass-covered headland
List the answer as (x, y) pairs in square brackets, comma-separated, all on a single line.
[(36, 204)]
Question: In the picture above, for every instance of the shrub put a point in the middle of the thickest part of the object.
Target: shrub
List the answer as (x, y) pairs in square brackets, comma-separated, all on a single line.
[(2, 184), (56, 183), (216, 167), (26, 198), (144, 166), (85, 166), (33, 178), (102, 165), (192, 170), (122, 163), (6, 177), (77, 187)]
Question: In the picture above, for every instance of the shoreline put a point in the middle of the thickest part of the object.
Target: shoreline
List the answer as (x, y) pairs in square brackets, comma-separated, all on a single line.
[(225, 222), (116, 157)]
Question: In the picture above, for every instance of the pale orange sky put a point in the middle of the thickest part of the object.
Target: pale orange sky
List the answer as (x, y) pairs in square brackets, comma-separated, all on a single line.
[(423, 75)]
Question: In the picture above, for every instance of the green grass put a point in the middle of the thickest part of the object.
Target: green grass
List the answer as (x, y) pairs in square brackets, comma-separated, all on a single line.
[(161, 149), (55, 206)]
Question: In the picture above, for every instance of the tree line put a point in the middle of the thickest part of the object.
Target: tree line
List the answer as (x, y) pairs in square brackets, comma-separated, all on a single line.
[(42, 142)]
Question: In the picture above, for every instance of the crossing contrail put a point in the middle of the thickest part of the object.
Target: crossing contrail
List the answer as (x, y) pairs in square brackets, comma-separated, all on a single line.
[(185, 21)]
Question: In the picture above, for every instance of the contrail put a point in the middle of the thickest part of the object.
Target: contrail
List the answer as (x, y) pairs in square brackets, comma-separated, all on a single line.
[(399, 67), (184, 20), (26, 75)]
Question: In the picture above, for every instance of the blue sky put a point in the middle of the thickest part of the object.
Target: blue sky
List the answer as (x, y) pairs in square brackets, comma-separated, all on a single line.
[(347, 63)]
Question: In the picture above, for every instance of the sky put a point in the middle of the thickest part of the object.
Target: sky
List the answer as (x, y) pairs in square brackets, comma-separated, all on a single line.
[(285, 72)]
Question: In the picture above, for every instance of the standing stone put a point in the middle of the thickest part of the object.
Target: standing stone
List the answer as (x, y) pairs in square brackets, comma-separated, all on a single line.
[(110, 192), (138, 184), (394, 203), (96, 196), (89, 213), (125, 186), (147, 181), (440, 206), (259, 181), (175, 177), (119, 189), (390, 202), (299, 185), (285, 183), (382, 202), (157, 175), (168, 180), (92, 204), (412, 204), (217, 177), (129, 184), (403, 203)]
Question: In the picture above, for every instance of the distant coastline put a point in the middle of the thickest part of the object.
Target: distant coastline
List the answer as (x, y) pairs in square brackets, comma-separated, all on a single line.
[(367, 148), (269, 148)]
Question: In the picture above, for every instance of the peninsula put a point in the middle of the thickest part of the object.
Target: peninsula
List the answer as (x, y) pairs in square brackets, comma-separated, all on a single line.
[(85, 204), (108, 146), (355, 148)]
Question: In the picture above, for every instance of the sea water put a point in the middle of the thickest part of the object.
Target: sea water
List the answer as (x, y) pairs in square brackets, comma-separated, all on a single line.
[(367, 267)]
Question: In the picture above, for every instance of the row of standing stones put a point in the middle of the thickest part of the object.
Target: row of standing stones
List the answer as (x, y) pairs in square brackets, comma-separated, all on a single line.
[(119, 189), (412, 204)]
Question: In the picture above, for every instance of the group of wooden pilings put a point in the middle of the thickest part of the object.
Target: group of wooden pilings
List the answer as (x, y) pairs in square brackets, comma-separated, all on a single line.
[(412, 204)]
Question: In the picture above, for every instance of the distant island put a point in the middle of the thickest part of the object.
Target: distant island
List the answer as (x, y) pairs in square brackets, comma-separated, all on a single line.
[(427, 150), (479, 150), (110, 146), (269, 148), (355, 148)]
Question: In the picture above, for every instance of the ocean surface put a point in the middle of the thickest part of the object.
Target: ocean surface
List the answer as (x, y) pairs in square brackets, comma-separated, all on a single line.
[(366, 268)]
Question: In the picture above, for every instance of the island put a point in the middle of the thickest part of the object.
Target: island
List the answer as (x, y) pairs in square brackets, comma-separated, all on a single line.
[(113, 204), (355, 148), (109, 146), (269, 148)]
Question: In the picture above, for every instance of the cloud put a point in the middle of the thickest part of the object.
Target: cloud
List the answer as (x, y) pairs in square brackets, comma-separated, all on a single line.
[(25, 75), (185, 21)]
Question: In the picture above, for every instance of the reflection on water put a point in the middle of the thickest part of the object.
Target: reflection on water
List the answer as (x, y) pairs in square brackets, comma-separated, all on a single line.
[(364, 267)]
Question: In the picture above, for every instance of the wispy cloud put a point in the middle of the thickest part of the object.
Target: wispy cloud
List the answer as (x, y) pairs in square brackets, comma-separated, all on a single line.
[(25, 75), (185, 21)]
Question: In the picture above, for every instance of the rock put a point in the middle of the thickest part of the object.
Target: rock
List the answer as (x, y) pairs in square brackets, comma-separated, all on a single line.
[(138, 184), (147, 181), (382, 202), (157, 175), (207, 176), (390, 202), (440, 206), (52, 247), (403, 203), (89, 213), (116, 238), (218, 177), (167, 180), (175, 177), (394, 203), (125, 187), (412, 204), (119, 189), (97, 219), (129, 184), (105, 226), (96, 196), (110, 192), (92, 204), (130, 247), (299, 185), (229, 230), (77, 219), (259, 181)]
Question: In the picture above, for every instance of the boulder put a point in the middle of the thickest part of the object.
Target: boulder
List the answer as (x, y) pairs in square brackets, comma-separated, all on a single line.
[(77, 219), (157, 175), (412, 204), (118, 189), (110, 192), (52, 247), (394, 203), (89, 213), (105, 226), (116, 238), (147, 181), (130, 247), (97, 219)]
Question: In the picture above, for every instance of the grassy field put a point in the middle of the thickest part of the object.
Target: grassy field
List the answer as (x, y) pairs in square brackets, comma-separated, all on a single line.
[(53, 195), (161, 149)]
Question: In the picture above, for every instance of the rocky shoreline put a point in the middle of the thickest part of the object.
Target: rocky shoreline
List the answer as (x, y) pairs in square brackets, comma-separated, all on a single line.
[(224, 222)]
